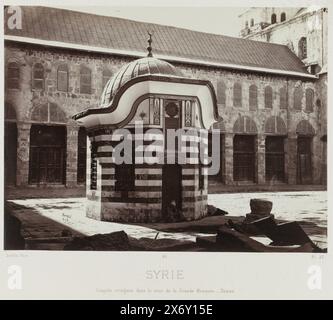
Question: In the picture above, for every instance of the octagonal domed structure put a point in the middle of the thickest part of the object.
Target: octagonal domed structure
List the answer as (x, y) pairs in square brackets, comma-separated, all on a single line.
[(141, 67), (147, 98)]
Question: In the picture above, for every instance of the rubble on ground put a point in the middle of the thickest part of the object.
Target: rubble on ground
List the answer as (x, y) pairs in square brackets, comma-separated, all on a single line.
[(230, 240), (282, 234), (101, 242), (236, 237), (120, 241), (260, 208), (148, 244), (213, 211)]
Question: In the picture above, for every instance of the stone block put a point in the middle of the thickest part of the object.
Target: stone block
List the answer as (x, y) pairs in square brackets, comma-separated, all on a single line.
[(250, 217), (101, 242), (261, 207)]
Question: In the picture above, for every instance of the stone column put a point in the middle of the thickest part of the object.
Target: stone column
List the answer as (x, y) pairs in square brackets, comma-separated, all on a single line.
[(228, 158), (23, 152), (260, 159), (292, 159), (72, 155)]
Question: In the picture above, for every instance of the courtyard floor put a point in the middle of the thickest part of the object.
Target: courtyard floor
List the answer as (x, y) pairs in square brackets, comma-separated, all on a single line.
[(47, 218)]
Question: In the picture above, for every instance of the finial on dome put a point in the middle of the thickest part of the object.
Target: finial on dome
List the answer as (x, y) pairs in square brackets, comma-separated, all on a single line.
[(149, 48)]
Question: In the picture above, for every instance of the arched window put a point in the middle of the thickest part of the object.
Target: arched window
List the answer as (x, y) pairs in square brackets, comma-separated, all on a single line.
[(275, 125), (56, 114), (302, 48), (85, 80), (268, 97), (40, 113), (309, 97), (283, 98), (253, 97), (245, 124), (283, 16), (304, 128), (273, 18), (13, 75), (38, 76), (237, 94), (298, 95), (220, 92), (62, 78), (252, 23), (48, 113), (107, 74)]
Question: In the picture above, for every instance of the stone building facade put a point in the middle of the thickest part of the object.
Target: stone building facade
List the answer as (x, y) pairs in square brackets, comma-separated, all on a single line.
[(272, 126), (305, 32)]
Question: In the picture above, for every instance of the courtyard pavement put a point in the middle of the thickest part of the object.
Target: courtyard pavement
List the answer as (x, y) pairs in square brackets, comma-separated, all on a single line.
[(47, 218)]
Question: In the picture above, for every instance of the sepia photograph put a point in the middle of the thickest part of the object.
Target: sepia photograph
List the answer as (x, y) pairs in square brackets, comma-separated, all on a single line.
[(189, 129)]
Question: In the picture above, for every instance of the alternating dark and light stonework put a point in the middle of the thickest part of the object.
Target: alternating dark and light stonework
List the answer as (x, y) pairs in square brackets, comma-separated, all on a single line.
[(164, 119)]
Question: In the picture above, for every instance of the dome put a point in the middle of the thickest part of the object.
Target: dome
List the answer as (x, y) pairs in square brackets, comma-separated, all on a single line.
[(137, 68)]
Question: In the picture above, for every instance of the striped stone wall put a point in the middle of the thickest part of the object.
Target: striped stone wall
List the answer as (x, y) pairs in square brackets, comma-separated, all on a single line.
[(144, 202)]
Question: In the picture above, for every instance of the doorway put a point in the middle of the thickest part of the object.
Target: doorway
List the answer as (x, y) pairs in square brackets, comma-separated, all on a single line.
[(47, 154), (171, 172), (304, 160), (244, 158), (10, 153), (274, 158), (171, 191)]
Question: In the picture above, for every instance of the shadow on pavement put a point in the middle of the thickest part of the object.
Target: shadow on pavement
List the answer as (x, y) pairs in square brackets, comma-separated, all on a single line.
[(25, 228)]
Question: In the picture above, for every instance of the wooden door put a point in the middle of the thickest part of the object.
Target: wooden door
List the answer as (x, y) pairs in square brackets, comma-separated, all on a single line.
[(274, 159), (171, 172), (47, 165), (244, 158), (304, 160), (47, 155), (171, 191)]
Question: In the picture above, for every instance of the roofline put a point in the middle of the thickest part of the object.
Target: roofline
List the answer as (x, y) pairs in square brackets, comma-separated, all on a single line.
[(138, 54), (162, 78)]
